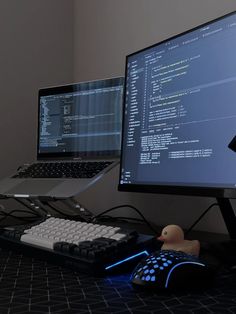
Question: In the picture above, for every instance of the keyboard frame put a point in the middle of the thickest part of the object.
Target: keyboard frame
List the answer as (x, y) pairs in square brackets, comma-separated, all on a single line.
[(77, 263)]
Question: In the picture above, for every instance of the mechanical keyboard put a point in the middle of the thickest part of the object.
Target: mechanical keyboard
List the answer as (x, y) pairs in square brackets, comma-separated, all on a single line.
[(86, 247)]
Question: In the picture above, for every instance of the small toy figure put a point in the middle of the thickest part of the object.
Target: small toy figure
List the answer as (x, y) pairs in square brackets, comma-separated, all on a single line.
[(173, 238)]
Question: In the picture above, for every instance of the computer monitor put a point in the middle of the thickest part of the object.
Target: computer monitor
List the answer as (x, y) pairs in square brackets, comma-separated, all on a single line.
[(81, 120), (179, 116)]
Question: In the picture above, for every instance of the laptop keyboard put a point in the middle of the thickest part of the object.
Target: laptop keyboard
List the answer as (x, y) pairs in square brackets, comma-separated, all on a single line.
[(87, 247), (63, 169)]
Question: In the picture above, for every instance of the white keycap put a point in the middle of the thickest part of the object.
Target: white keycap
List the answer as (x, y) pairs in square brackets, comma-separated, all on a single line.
[(53, 230), (46, 243), (117, 236)]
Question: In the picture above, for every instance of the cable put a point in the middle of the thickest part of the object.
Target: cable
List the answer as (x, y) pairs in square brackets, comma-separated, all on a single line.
[(129, 206), (30, 210), (61, 212), (18, 210), (200, 217), (68, 216), (10, 214), (107, 217), (29, 207)]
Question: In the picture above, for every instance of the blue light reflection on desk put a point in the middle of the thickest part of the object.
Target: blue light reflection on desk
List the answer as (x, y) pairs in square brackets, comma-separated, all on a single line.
[(127, 259)]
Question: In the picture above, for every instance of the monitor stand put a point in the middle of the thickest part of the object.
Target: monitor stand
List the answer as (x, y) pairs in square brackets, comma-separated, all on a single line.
[(226, 251), (229, 217)]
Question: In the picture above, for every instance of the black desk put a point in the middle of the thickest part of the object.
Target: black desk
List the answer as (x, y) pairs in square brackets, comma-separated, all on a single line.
[(28, 285)]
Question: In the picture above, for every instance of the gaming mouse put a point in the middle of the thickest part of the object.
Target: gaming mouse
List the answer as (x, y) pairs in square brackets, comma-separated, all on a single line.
[(168, 269)]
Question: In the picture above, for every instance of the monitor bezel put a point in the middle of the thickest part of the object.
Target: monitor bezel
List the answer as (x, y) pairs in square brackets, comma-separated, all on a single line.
[(218, 192)]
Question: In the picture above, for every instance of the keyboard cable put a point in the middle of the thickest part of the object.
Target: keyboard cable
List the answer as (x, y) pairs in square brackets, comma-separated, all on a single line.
[(96, 217)]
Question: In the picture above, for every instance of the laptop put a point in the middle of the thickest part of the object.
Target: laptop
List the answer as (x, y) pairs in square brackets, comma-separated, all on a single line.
[(79, 127)]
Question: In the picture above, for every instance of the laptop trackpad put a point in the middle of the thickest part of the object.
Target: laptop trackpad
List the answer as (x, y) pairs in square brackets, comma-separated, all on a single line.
[(34, 187)]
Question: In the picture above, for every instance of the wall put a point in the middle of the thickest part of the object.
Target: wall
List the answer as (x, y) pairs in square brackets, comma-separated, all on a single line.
[(36, 50), (54, 42), (105, 32)]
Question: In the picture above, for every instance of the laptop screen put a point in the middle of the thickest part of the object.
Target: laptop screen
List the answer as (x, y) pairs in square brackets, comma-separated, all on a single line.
[(81, 120)]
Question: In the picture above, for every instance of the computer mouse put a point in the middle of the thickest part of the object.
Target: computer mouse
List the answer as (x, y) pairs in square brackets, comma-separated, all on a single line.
[(168, 269)]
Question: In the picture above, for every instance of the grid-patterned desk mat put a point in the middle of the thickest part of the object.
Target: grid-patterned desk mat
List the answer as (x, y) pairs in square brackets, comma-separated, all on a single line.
[(28, 285)]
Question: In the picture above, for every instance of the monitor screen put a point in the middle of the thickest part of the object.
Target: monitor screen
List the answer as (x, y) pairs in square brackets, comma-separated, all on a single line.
[(179, 114), (81, 119)]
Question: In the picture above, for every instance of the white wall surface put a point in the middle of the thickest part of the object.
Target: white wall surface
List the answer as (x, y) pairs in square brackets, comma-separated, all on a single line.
[(36, 50), (105, 32), (53, 42)]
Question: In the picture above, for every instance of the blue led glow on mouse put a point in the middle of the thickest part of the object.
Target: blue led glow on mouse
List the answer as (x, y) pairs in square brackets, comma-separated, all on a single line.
[(170, 269)]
